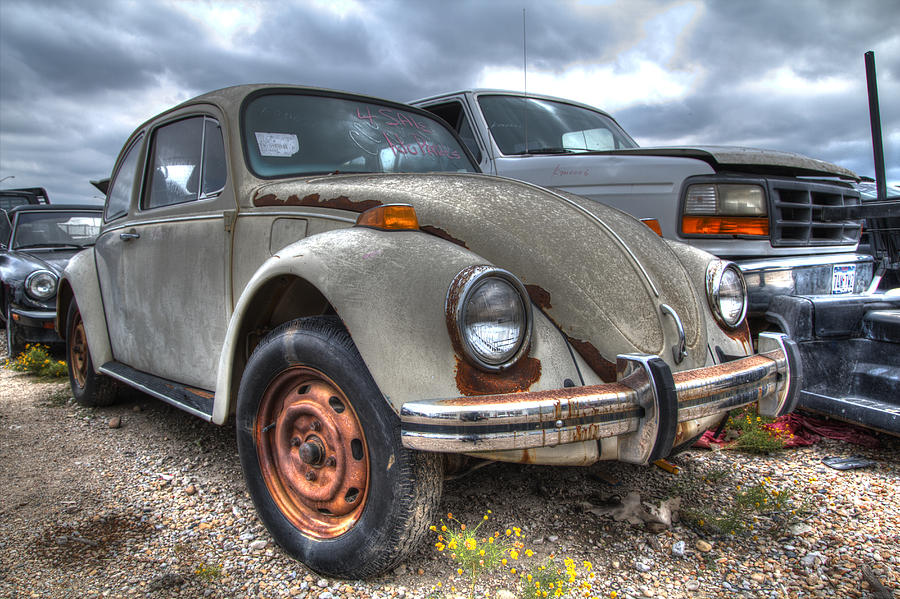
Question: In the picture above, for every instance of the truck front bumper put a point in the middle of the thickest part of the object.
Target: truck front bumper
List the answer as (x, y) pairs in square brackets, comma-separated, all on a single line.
[(819, 274), (643, 408)]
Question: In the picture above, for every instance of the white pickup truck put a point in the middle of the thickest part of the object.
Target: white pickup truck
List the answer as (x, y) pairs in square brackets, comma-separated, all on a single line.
[(765, 210)]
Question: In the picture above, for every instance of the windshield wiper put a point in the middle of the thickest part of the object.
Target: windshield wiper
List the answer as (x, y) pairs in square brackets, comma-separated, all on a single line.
[(545, 151), (50, 245)]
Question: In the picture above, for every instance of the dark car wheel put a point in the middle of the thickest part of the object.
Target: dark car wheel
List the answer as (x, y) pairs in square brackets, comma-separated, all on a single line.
[(88, 387), (321, 454), (15, 343)]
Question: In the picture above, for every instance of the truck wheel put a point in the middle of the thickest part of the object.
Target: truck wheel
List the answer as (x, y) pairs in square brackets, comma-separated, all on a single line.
[(88, 387), (15, 344), (321, 454)]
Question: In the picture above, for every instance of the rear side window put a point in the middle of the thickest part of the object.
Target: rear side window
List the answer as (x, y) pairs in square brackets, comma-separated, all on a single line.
[(187, 162), (120, 189)]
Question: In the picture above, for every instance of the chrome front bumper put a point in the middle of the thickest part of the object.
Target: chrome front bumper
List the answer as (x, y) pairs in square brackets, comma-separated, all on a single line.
[(643, 408), (800, 275)]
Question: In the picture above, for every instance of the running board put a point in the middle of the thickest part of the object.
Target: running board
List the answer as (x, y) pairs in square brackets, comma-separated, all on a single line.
[(198, 402)]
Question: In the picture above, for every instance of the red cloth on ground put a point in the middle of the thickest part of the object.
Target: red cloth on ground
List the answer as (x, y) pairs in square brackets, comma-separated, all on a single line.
[(801, 430)]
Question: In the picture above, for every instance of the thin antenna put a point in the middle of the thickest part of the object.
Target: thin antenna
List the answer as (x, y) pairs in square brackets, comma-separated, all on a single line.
[(524, 55), (525, 80)]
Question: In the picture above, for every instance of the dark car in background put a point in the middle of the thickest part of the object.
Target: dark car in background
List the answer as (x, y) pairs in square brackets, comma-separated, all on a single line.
[(42, 240), (10, 198)]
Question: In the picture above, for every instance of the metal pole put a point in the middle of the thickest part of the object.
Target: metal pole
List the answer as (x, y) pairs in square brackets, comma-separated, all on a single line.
[(875, 118)]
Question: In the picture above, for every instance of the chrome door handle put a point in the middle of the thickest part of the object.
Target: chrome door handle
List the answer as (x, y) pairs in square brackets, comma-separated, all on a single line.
[(129, 236)]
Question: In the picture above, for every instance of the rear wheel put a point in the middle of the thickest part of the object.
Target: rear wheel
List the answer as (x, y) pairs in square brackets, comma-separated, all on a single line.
[(321, 454), (88, 387)]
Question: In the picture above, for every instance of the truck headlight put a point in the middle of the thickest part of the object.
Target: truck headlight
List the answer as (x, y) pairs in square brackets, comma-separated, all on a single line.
[(725, 209), (41, 285), (727, 292), (489, 317)]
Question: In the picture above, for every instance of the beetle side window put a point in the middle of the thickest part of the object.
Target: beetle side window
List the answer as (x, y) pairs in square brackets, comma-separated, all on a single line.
[(120, 189), (214, 165), (188, 162), (175, 174)]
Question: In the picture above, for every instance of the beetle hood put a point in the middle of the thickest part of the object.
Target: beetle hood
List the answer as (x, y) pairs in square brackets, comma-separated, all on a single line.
[(599, 274)]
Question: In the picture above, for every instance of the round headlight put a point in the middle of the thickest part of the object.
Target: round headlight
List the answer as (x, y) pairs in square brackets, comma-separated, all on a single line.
[(41, 285), (490, 316), (727, 292)]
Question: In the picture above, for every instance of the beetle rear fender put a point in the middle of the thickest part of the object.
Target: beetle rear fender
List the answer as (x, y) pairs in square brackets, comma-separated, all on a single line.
[(389, 289), (81, 283)]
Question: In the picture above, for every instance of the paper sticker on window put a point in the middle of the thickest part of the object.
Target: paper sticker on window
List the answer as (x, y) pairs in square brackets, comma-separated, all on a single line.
[(277, 144)]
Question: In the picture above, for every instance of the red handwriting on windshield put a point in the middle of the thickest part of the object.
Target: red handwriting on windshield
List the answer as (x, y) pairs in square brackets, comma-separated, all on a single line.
[(391, 118), (419, 145)]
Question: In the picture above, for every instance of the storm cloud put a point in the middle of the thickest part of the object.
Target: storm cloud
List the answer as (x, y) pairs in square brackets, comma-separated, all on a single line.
[(77, 78)]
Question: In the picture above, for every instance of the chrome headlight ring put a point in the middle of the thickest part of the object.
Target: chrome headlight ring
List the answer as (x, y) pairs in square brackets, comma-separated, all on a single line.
[(726, 292), (489, 317), (41, 285)]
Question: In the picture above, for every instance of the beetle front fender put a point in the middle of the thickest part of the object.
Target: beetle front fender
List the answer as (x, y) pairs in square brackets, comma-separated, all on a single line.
[(389, 289), (81, 283)]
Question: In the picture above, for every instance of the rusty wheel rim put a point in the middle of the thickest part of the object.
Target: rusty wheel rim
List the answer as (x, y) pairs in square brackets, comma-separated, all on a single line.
[(78, 352), (312, 452)]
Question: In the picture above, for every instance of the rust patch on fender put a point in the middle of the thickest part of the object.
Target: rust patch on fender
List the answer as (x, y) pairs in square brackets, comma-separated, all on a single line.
[(742, 335), (540, 296), (520, 377), (438, 232), (605, 369), (315, 200)]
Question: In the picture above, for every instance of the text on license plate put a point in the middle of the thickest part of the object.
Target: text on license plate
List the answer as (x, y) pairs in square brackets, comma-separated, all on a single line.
[(843, 278)]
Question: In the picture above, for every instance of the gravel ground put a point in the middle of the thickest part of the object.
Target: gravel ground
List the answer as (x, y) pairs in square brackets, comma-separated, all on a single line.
[(156, 507)]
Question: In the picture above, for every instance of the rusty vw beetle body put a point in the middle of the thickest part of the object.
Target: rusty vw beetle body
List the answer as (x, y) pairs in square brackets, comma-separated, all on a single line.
[(331, 273)]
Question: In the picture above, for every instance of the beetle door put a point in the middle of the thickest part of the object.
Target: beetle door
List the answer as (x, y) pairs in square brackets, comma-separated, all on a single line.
[(163, 270)]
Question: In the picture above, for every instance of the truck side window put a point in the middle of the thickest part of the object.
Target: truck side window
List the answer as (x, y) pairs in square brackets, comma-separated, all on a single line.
[(453, 113)]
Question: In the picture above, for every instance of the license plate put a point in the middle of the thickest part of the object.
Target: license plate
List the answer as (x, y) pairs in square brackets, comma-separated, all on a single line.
[(843, 279)]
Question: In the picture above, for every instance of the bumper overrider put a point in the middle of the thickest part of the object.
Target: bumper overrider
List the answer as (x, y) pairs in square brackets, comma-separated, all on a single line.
[(643, 408)]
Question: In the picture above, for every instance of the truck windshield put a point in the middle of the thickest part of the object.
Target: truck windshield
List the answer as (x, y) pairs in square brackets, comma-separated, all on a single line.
[(289, 134), (522, 125)]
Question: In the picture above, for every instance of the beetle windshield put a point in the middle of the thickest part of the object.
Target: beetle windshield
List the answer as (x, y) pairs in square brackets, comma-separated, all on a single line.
[(296, 134), (536, 126), (55, 229)]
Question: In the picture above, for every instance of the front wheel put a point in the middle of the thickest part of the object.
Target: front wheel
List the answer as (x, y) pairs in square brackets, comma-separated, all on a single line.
[(321, 454), (88, 387), (15, 343)]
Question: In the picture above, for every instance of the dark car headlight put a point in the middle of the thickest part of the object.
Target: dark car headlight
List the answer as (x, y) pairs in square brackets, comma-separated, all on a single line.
[(727, 292), (41, 285), (489, 317)]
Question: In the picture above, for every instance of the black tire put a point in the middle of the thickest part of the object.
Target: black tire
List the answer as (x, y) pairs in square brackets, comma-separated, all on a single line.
[(313, 364), (88, 387), (15, 344)]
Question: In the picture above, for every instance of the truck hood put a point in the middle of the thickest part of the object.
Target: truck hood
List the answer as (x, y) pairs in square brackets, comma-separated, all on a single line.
[(752, 160), (598, 273)]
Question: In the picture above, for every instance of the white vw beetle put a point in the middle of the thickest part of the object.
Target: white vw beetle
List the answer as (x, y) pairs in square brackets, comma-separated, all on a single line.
[(332, 271)]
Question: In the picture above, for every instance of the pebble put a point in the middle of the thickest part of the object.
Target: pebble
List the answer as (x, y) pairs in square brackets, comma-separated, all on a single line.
[(115, 422), (137, 531)]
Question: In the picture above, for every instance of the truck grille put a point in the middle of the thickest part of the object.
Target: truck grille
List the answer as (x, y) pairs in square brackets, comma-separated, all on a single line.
[(798, 214)]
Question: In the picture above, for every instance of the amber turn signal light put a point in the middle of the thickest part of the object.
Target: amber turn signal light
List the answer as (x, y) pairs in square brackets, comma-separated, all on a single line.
[(391, 217), (725, 225), (653, 224)]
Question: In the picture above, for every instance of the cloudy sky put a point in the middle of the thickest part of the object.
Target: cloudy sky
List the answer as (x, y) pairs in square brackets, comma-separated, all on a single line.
[(77, 77)]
